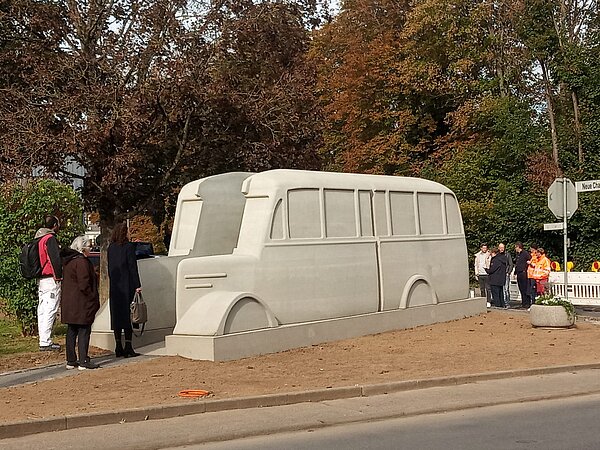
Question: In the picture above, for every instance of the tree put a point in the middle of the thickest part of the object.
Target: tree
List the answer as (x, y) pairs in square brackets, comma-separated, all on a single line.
[(416, 88), (145, 97), (23, 206), (501, 197), (572, 21), (391, 74)]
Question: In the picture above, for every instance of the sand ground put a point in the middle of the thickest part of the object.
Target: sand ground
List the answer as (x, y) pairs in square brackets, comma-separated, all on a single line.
[(497, 340)]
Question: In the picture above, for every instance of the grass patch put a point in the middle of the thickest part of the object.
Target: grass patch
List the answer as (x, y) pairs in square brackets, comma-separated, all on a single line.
[(11, 340)]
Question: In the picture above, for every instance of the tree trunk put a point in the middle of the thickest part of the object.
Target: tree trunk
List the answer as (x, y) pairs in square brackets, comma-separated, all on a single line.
[(550, 106), (503, 89), (568, 26), (577, 125), (107, 223)]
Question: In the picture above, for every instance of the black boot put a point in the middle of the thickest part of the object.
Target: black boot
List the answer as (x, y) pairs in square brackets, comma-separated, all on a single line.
[(129, 352), (119, 352)]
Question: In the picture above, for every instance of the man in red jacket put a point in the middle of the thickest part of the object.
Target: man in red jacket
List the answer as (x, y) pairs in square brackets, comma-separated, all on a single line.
[(49, 282)]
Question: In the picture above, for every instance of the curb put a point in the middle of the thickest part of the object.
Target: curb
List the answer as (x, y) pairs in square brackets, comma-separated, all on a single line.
[(24, 428), (32, 369)]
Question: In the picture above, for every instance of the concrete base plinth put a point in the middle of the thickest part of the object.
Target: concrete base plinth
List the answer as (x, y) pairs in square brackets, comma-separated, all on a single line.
[(285, 337), (550, 316), (106, 339), (158, 326)]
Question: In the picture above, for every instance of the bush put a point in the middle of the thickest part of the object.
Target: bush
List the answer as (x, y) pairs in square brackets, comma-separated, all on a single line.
[(23, 206)]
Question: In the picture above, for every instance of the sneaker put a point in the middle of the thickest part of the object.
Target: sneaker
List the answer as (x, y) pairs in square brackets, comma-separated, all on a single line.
[(50, 348), (72, 365), (88, 365), (489, 305)]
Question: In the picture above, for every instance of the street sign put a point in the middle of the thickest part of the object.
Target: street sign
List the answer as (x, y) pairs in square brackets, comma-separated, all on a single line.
[(556, 198), (587, 186), (554, 226), (562, 201)]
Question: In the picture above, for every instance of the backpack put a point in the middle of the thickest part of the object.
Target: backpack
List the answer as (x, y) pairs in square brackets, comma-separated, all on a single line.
[(29, 260)]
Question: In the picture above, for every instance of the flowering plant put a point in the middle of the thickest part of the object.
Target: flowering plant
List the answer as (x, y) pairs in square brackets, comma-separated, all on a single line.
[(548, 299)]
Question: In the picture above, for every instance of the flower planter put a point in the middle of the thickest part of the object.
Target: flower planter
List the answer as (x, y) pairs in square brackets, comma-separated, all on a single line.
[(550, 316)]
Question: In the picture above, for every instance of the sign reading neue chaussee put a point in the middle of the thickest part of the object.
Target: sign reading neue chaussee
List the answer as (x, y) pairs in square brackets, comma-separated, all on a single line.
[(585, 186)]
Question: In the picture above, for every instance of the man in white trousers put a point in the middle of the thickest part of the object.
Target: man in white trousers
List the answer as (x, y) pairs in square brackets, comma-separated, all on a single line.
[(49, 282)]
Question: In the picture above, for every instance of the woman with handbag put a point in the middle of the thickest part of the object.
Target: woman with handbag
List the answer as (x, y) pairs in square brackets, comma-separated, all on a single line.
[(124, 283), (79, 302)]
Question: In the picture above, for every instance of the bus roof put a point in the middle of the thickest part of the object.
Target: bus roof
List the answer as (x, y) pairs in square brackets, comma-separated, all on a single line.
[(266, 182)]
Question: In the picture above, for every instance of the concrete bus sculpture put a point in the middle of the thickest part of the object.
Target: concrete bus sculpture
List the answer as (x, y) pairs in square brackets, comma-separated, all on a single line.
[(285, 258)]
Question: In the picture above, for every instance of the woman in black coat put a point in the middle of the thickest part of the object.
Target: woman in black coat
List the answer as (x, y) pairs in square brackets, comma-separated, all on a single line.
[(79, 302), (497, 276), (124, 282)]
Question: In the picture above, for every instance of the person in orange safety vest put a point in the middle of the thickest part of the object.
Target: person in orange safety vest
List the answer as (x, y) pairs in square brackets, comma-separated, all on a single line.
[(530, 266), (541, 272)]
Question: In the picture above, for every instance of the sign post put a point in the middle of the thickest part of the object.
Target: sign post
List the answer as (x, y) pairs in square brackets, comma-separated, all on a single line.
[(562, 201), (565, 239)]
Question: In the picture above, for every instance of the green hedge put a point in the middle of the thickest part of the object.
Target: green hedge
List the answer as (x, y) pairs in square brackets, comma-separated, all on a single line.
[(23, 206)]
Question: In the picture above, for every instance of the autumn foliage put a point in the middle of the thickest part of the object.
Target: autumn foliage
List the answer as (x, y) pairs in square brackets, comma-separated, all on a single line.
[(144, 97), (494, 99)]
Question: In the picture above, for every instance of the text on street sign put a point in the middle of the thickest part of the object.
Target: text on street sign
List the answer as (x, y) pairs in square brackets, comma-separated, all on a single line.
[(553, 226), (586, 186)]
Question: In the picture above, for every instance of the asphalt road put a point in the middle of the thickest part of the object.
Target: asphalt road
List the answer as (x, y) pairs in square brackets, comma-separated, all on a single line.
[(545, 425)]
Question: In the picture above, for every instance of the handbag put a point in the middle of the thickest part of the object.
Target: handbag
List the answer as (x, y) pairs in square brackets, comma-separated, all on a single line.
[(139, 311)]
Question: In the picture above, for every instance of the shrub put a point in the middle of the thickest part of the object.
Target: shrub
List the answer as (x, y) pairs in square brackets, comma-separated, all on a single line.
[(23, 206)]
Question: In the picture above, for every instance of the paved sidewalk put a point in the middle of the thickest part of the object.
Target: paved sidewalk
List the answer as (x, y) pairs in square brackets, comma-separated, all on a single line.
[(58, 370), (225, 425)]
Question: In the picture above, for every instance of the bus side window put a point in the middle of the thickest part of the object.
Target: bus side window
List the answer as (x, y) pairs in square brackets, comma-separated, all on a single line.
[(381, 227), (452, 215), (430, 213), (403, 213), (304, 213), (189, 221), (277, 225), (365, 211), (340, 217)]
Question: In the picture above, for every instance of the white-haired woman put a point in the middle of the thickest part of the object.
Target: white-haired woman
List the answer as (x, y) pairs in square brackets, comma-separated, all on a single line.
[(79, 302)]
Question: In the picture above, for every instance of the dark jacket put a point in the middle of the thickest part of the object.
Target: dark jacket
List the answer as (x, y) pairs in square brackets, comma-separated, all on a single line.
[(50, 257), (79, 298), (497, 270), (509, 262), (124, 280), (521, 262)]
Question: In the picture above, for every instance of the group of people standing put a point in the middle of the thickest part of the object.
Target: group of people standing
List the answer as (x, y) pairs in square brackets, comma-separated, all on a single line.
[(494, 267), (68, 280)]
